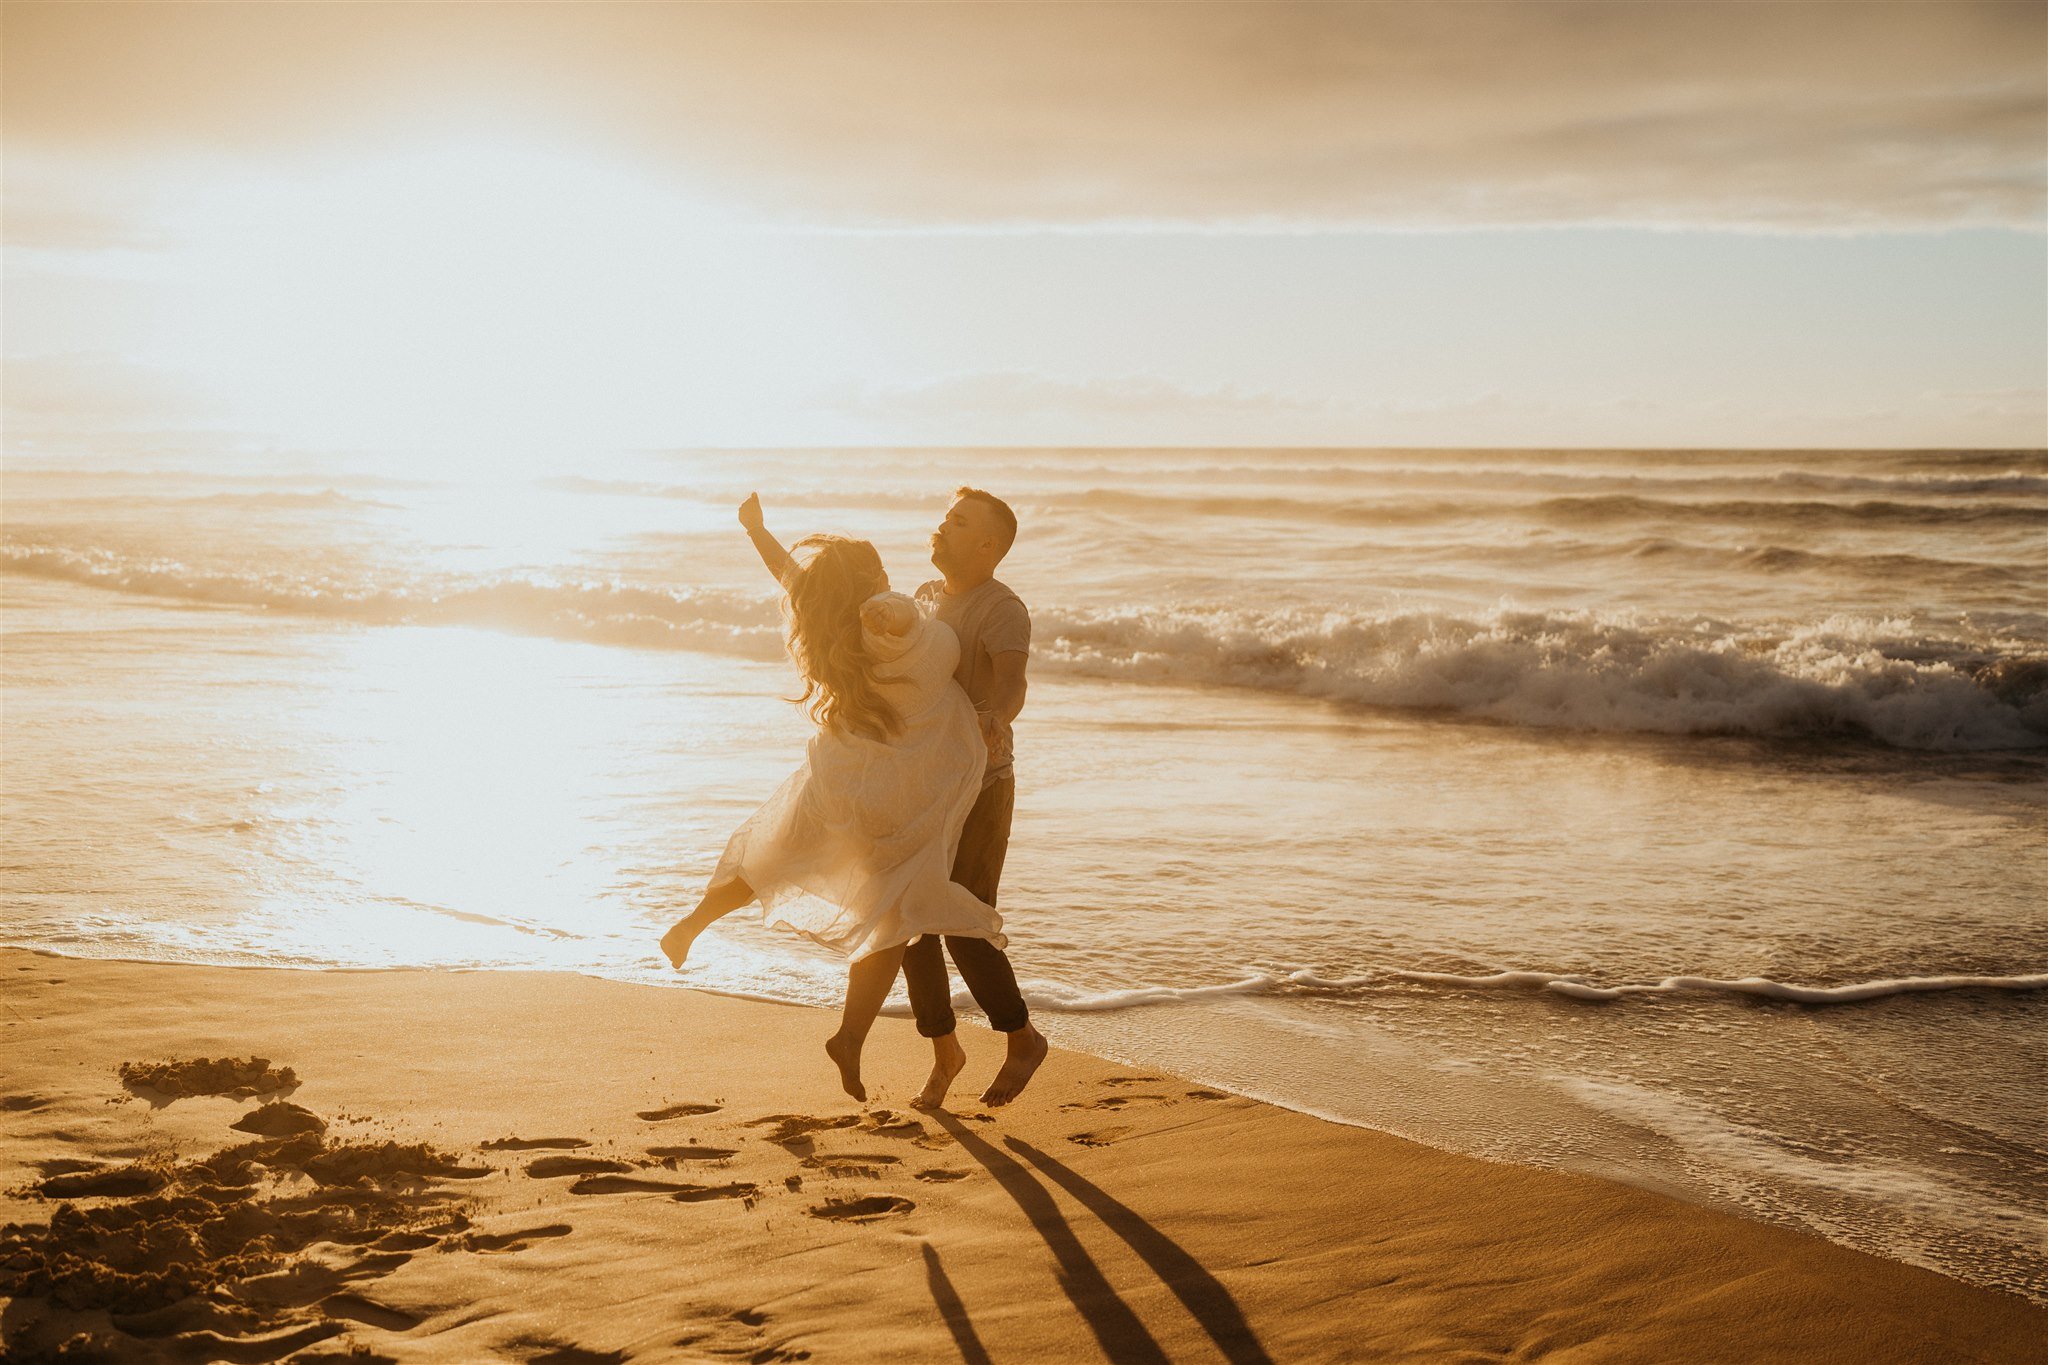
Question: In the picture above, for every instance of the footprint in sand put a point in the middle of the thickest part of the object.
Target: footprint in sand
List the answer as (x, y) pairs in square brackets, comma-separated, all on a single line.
[(793, 1131), (22, 1104), (741, 1190), (680, 1191), (1207, 1095), (679, 1111), (1133, 1080), (211, 1345), (549, 1167), (491, 1242), (556, 1354), (1100, 1137), (691, 1153), (940, 1175), (1117, 1102), (863, 1210), (520, 1144), (739, 1335), (356, 1308), (888, 1123), (883, 1123), (851, 1165)]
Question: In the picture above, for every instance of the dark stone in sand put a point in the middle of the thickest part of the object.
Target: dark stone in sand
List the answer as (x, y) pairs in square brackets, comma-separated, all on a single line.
[(282, 1119), (237, 1077), (123, 1181)]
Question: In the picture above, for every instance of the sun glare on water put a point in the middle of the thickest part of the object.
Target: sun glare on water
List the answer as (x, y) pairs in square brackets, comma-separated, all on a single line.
[(477, 786)]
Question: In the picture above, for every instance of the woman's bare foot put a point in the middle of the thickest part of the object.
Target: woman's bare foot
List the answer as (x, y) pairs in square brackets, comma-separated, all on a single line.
[(675, 944), (947, 1059), (1027, 1050), (846, 1056)]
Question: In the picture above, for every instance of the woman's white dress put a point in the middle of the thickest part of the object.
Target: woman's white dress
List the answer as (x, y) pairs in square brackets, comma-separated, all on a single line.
[(855, 850)]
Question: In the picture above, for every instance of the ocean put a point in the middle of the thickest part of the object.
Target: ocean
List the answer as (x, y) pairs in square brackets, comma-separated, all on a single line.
[(1676, 816)]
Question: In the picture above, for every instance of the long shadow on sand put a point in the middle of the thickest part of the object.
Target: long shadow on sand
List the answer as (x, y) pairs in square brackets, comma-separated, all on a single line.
[(1199, 1292), (1117, 1329), (972, 1352), (1122, 1336)]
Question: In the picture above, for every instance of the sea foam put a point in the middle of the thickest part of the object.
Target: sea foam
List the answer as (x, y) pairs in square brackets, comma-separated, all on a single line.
[(1056, 998), (1578, 988)]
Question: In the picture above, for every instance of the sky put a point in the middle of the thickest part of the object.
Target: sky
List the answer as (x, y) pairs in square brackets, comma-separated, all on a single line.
[(485, 234)]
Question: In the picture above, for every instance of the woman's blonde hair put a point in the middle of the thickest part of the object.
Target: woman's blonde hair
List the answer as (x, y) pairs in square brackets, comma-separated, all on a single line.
[(826, 590)]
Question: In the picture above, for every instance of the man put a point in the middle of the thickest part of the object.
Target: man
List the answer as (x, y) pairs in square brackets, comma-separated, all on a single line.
[(995, 641)]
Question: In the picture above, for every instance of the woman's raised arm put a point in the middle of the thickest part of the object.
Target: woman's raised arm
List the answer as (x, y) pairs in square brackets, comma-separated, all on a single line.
[(767, 546)]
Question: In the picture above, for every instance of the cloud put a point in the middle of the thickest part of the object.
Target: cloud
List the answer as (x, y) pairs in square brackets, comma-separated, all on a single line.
[(1008, 394), (1806, 116), (95, 391), (53, 205), (1033, 408), (1019, 407)]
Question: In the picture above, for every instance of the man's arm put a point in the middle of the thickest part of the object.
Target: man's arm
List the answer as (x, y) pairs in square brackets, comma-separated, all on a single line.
[(767, 546), (1005, 694)]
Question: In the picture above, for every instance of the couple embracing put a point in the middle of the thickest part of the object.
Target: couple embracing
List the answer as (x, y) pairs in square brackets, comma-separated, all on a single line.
[(890, 838)]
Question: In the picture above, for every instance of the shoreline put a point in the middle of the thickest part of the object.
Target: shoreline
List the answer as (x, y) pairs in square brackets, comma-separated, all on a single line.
[(650, 1173)]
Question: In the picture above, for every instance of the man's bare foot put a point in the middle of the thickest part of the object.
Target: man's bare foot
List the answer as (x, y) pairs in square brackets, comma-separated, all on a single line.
[(1027, 1050), (675, 944), (947, 1059), (846, 1056)]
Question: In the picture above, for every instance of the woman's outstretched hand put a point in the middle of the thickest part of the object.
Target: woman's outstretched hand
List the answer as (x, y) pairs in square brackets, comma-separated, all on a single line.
[(890, 615), (750, 513)]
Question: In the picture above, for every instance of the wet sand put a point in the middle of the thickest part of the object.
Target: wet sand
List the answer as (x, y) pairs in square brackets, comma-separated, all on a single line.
[(551, 1168)]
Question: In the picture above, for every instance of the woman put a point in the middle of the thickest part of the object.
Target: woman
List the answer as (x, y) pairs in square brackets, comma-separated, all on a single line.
[(855, 851)]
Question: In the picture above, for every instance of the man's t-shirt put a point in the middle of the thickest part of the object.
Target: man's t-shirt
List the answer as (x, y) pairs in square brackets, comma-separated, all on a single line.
[(989, 620)]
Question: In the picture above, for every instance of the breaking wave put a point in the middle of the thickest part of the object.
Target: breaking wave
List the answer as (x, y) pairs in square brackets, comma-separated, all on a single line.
[(1940, 501), (598, 610), (1844, 677)]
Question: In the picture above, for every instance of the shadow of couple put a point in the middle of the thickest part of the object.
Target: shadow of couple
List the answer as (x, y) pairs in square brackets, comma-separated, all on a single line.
[(1122, 1335)]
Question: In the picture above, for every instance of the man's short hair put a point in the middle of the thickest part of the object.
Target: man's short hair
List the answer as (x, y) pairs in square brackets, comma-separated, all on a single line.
[(1006, 520)]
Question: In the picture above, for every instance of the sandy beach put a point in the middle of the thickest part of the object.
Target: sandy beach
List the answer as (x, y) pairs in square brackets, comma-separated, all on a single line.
[(549, 1167)]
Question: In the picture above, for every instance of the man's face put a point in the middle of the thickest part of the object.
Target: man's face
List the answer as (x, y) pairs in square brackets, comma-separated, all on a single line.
[(965, 539)]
